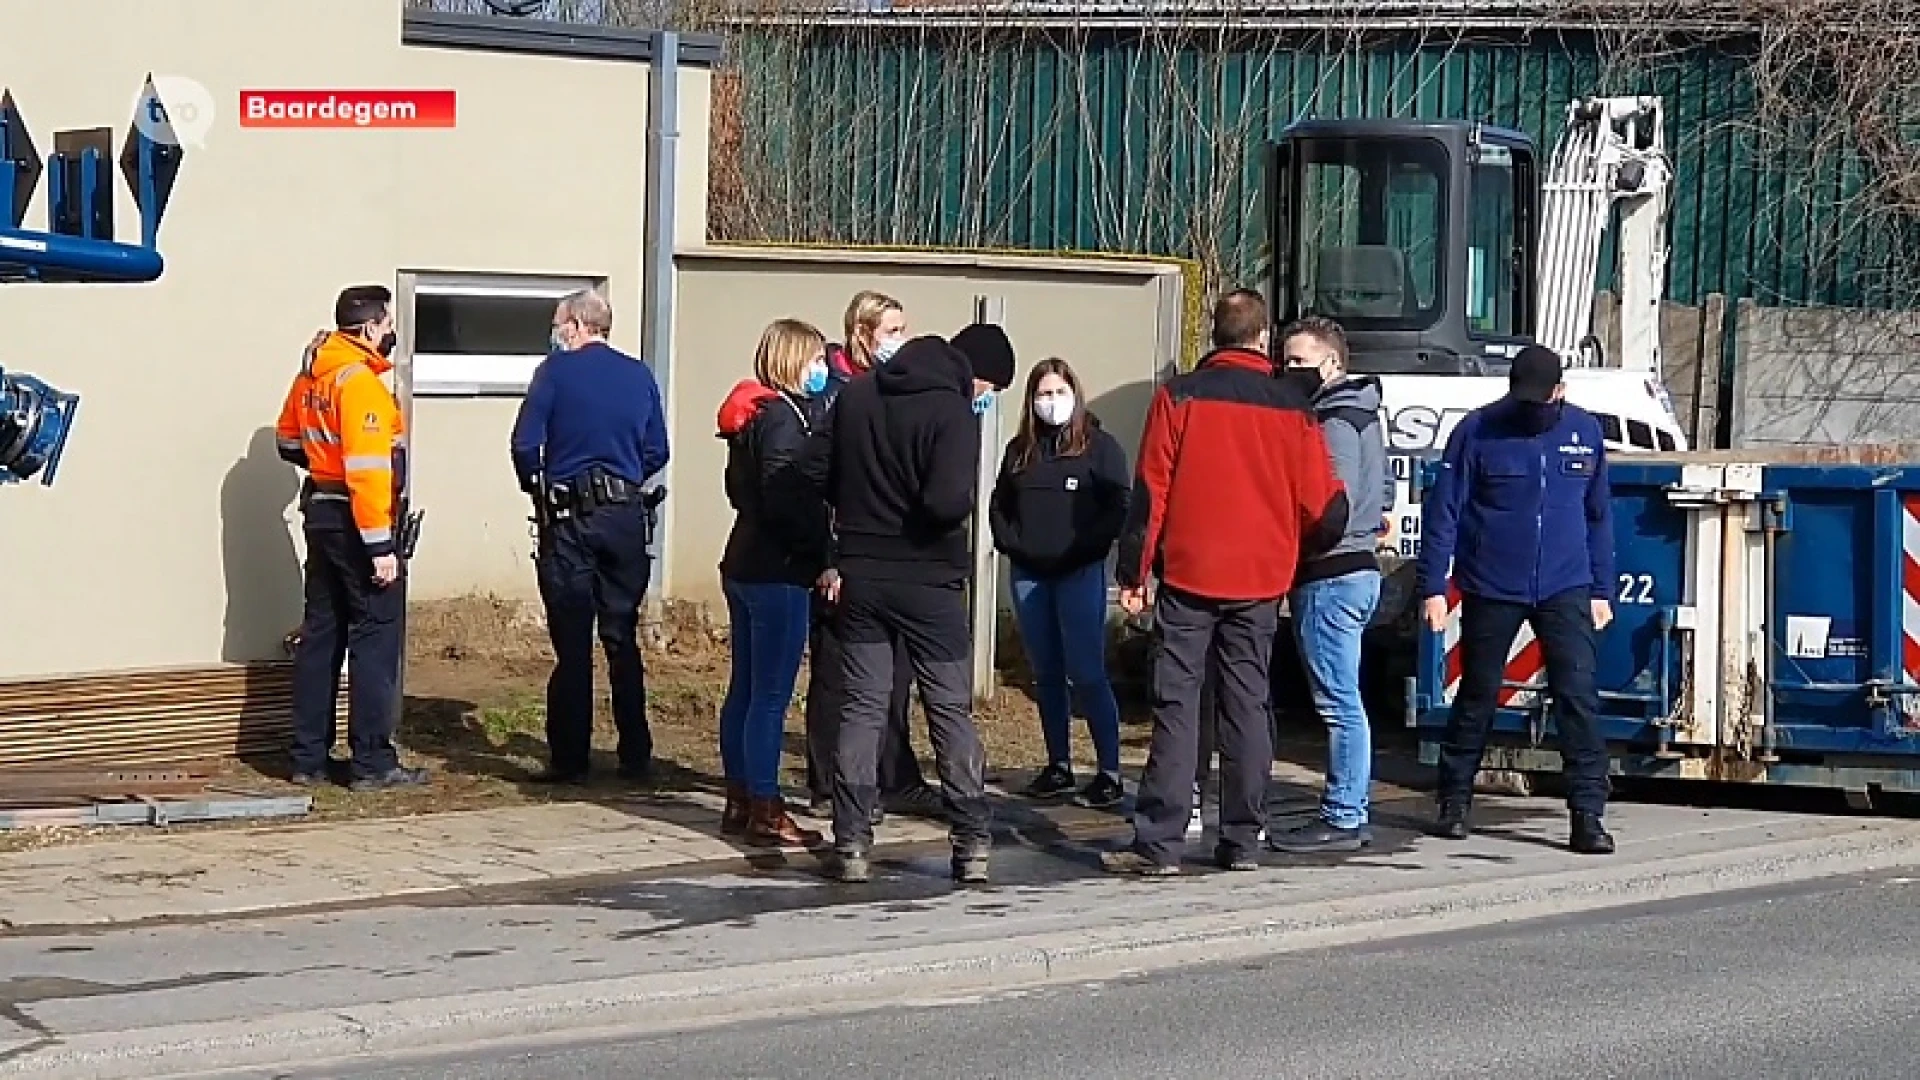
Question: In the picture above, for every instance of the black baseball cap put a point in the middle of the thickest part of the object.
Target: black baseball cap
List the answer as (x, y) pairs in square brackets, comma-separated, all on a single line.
[(1535, 372)]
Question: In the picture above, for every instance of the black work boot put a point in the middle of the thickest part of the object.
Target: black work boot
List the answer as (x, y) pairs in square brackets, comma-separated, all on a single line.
[(970, 862), (1590, 836), (849, 865), (1452, 820)]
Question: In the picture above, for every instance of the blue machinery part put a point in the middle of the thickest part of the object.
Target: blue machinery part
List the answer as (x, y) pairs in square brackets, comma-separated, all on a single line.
[(35, 420), (51, 257), (78, 245)]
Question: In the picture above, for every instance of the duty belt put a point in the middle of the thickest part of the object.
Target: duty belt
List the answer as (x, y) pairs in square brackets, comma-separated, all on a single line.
[(554, 503), (407, 521)]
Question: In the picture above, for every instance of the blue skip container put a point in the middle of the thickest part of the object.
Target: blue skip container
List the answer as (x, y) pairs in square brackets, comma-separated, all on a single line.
[(1766, 627)]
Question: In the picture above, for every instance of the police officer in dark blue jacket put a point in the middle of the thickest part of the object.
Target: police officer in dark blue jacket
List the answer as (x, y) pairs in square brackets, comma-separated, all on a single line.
[(591, 430), (1520, 512)]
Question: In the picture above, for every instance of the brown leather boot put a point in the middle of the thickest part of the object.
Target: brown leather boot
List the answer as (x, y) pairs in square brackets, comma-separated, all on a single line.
[(733, 819), (771, 826)]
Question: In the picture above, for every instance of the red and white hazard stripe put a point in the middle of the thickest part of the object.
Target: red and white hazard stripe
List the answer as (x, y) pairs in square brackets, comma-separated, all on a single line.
[(1910, 606), (1527, 663)]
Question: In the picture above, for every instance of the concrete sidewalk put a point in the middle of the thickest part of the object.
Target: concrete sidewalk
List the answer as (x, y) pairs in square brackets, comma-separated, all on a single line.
[(189, 874), (197, 873)]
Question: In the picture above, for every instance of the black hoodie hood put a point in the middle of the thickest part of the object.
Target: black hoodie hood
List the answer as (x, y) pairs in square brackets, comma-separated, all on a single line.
[(926, 365)]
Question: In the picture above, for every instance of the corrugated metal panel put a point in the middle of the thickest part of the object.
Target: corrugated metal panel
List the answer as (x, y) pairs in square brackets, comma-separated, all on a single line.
[(151, 717), (1099, 140)]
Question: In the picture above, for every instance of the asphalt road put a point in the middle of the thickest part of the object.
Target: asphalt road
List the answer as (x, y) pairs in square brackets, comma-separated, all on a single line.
[(1815, 980)]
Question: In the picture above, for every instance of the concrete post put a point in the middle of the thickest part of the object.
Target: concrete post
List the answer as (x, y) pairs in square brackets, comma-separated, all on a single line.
[(985, 594)]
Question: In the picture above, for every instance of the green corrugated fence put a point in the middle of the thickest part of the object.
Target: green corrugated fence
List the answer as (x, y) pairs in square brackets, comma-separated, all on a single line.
[(1144, 142)]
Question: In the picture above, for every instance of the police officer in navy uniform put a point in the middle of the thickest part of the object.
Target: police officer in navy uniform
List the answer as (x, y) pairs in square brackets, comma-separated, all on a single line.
[(1522, 512), (590, 432)]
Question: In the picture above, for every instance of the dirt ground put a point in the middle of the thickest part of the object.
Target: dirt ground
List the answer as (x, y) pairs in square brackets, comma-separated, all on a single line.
[(475, 714)]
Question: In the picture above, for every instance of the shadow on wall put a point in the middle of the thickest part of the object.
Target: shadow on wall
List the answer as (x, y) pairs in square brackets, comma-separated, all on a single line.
[(1123, 414), (257, 553)]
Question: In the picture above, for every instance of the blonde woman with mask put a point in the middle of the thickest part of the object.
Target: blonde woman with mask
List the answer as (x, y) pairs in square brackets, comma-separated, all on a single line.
[(875, 327)]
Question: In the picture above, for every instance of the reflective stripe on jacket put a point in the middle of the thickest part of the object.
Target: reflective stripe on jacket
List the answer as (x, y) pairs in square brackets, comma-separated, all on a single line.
[(347, 425)]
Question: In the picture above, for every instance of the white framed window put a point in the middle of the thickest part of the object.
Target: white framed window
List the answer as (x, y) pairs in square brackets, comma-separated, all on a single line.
[(482, 334)]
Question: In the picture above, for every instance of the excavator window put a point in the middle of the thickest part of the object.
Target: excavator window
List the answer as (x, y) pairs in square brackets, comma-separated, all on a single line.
[(1494, 254), (1372, 216)]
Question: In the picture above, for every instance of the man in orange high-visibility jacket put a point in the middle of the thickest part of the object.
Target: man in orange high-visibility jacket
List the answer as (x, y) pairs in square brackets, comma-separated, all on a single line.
[(342, 425)]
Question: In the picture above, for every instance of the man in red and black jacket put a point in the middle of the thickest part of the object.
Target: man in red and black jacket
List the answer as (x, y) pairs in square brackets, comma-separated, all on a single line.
[(1234, 488)]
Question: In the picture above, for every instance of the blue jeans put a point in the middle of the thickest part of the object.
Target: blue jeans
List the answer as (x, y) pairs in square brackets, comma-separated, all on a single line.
[(1329, 617), (768, 636), (1063, 626)]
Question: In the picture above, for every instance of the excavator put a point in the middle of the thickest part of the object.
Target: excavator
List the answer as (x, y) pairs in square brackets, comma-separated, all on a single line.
[(1443, 247), (78, 246)]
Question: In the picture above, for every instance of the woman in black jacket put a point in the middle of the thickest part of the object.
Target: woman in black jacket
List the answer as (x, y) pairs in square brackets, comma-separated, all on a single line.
[(774, 555), (1056, 511)]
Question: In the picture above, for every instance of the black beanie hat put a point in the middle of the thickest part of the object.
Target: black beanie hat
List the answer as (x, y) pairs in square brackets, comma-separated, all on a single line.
[(988, 352), (1535, 372)]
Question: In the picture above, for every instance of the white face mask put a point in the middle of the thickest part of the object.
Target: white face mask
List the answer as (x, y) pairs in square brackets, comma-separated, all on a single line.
[(1054, 411), (884, 349)]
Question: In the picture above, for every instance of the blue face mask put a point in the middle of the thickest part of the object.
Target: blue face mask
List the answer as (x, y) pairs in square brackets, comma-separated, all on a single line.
[(816, 380), (982, 403), (555, 342)]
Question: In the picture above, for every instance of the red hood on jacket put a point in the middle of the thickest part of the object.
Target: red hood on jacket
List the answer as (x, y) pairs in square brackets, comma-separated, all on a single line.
[(840, 361), (742, 405)]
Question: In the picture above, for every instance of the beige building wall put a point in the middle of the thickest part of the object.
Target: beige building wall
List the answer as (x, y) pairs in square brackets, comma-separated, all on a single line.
[(169, 538), (1118, 322)]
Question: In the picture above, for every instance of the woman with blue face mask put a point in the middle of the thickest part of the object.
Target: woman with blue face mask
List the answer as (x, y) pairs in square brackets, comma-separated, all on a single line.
[(775, 554)]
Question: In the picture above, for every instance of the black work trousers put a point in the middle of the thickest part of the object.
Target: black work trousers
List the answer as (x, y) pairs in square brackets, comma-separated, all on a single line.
[(1563, 624), (593, 570), (1236, 637), (347, 615), (876, 618), (899, 769)]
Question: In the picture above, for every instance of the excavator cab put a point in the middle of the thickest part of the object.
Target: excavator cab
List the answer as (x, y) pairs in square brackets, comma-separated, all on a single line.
[(1418, 237)]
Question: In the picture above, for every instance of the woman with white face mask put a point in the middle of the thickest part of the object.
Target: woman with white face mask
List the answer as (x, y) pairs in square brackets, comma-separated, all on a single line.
[(1056, 511)]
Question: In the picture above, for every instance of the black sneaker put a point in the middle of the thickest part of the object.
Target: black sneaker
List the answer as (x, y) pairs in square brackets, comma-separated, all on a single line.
[(559, 777), (1227, 857), (1051, 783), (1316, 837), (1103, 792), (1452, 820), (923, 801), (393, 778)]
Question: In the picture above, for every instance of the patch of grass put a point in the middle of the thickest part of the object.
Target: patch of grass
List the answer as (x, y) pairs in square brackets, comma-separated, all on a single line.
[(520, 715)]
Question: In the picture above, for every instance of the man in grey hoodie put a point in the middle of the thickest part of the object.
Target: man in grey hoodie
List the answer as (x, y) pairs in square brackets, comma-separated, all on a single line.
[(1334, 596)]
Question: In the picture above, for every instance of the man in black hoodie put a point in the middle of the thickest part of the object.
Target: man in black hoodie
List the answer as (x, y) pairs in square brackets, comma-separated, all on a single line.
[(902, 466)]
